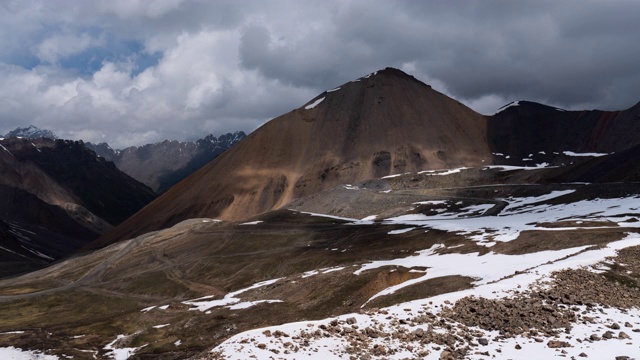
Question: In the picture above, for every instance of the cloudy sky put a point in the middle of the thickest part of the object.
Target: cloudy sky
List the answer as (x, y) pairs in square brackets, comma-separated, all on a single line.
[(135, 71)]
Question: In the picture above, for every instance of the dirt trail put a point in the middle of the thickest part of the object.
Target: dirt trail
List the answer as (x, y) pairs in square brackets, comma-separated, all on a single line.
[(90, 276)]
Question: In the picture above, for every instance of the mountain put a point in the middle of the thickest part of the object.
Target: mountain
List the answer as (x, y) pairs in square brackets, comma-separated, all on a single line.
[(385, 123), (56, 196), (163, 164), (31, 132), (539, 133)]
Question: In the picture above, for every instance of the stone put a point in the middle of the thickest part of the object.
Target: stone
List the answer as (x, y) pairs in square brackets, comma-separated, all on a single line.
[(351, 320), (554, 344), (607, 335), (483, 341)]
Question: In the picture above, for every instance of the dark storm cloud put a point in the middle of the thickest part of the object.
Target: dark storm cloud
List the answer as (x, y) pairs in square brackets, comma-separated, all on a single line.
[(571, 54), (129, 72)]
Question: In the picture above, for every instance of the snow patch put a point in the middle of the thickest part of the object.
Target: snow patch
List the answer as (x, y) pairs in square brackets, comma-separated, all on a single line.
[(12, 353), (571, 153), (328, 216), (512, 168), (400, 231), (5, 149), (442, 172), (120, 353), (430, 202), (248, 304), (314, 104), (499, 110), (394, 175), (253, 222), (229, 299)]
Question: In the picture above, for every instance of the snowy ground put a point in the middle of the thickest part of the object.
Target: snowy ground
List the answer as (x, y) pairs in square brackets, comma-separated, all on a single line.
[(497, 276), (12, 353)]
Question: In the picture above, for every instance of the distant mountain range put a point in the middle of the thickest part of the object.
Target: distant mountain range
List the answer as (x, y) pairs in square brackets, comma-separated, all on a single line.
[(161, 165)]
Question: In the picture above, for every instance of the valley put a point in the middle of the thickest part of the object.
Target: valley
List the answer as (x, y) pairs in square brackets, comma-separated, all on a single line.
[(205, 280)]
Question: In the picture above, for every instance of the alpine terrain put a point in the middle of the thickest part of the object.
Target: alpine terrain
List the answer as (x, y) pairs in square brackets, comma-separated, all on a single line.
[(57, 196), (380, 220), (163, 164), (31, 132)]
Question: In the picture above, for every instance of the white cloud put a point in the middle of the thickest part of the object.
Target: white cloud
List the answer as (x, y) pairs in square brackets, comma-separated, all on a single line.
[(139, 8), (60, 46)]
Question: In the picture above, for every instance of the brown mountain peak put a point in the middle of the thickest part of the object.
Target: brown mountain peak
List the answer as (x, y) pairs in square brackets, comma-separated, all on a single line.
[(384, 123)]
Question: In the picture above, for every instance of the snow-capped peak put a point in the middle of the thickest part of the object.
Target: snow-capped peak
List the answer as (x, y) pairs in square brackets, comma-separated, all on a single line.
[(31, 132)]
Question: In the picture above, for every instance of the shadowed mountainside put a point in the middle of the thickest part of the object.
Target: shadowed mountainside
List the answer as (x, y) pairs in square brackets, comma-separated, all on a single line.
[(527, 130), (56, 196)]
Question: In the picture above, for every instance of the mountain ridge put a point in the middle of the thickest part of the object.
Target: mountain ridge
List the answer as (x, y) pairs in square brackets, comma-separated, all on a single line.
[(162, 164), (530, 128), (57, 195), (30, 132)]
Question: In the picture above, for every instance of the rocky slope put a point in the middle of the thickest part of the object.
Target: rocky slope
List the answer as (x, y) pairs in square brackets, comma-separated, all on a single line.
[(57, 195), (163, 164)]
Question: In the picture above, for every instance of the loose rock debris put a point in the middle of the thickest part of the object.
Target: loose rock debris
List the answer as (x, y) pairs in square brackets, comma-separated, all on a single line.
[(475, 327)]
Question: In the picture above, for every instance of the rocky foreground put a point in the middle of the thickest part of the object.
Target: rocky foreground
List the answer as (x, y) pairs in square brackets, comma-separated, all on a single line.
[(578, 313)]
